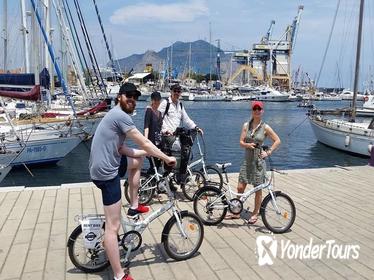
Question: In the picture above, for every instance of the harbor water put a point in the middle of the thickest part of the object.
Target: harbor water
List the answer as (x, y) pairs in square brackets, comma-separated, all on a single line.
[(222, 123)]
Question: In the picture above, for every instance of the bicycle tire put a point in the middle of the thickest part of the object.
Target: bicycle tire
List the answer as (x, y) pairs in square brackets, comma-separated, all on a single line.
[(285, 213), (77, 232), (212, 170), (203, 207), (193, 183), (145, 196), (194, 229)]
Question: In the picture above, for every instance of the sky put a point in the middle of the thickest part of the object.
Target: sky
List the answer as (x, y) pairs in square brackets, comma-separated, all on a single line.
[(138, 26)]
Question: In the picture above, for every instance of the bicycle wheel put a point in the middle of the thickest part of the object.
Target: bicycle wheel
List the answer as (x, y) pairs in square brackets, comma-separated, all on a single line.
[(87, 260), (146, 189), (176, 245), (278, 222), (210, 205), (193, 182), (213, 175)]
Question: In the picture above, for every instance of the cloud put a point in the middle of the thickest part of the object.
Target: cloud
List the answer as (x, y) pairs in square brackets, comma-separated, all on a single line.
[(174, 12)]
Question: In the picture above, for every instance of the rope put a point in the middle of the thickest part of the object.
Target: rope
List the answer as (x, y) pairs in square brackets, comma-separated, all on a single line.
[(105, 39), (76, 38), (297, 126), (91, 53), (328, 43)]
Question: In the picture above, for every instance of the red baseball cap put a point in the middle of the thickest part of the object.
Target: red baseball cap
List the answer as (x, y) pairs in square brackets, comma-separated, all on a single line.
[(257, 104)]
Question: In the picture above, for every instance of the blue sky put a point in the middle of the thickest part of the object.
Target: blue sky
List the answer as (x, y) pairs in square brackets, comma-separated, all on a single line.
[(137, 26)]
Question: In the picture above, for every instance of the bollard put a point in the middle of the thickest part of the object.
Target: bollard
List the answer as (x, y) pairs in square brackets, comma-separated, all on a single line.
[(371, 160)]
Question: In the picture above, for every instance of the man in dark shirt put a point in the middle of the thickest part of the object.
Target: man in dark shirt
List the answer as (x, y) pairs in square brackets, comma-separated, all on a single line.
[(153, 123)]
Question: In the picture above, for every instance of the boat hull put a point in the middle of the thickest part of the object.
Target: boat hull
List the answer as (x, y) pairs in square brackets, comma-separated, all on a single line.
[(39, 151), (343, 140)]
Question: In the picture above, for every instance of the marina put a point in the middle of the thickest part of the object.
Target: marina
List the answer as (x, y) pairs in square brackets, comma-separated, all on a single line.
[(332, 204), (299, 149)]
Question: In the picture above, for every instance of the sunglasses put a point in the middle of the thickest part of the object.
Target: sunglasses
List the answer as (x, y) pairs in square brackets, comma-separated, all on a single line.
[(132, 95), (177, 91), (257, 109)]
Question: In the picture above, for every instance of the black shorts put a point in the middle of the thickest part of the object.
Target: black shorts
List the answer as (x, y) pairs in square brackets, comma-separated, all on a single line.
[(110, 190)]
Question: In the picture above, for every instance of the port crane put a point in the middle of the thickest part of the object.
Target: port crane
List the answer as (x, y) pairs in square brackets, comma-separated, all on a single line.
[(269, 61)]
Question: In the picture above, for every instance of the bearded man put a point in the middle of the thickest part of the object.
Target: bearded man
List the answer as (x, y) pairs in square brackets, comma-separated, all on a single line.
[(108, 146)]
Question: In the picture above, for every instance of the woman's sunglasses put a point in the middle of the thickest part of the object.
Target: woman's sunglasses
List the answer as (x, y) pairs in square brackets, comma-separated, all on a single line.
[(257, 109)]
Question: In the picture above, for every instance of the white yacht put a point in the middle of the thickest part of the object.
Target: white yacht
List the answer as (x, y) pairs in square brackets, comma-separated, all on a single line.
[(206, 96), (348, 95), (367, 107), (187, 96), (269, 94), (369, 102)]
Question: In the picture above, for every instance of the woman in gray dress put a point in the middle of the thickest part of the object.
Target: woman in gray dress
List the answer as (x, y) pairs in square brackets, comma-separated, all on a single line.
[(253, 168)]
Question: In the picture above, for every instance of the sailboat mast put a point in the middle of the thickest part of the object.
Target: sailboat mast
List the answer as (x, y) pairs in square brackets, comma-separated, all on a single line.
[(25, 33), (105, 40), (5, 33), (47, 19), (52, 55), (358, 55), (189, 62), (210, 51)]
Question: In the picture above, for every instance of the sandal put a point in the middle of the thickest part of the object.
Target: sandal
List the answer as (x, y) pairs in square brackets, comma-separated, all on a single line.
[(232, 217), (252, 220)]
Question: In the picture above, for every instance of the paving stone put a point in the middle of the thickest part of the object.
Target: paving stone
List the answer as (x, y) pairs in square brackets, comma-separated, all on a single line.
[(332, 204), (32, 275), (35, 260), (15, 261)]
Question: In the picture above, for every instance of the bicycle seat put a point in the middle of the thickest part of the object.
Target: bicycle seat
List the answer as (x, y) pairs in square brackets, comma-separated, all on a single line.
[(223, 165)]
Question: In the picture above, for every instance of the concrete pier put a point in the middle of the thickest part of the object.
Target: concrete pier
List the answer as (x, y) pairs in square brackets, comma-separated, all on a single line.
[(334, 208)]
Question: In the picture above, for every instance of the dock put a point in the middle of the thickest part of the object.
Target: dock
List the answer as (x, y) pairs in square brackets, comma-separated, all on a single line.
[(334, 206)]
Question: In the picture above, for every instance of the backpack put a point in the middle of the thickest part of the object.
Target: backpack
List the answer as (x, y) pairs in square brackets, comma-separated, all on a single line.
[(168, 106)]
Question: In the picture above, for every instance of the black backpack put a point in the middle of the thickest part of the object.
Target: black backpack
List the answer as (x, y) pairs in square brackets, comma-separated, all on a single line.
[(168, 106)]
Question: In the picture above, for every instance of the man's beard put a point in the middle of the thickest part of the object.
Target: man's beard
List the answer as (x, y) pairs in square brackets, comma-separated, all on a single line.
[(126, 109)]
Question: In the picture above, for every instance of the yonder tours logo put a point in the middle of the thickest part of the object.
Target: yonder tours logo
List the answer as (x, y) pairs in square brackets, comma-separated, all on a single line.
[(268, 249)]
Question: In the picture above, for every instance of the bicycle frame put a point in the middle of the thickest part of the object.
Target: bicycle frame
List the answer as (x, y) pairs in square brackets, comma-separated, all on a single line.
[(201, 160), (228, 192), (140, 226), (155, 174)]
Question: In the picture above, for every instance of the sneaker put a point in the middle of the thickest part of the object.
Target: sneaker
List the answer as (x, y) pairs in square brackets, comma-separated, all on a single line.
[(142, 208), (132, 213), (125, 277)]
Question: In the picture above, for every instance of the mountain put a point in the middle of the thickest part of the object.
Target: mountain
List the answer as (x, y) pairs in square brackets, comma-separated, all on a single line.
[(200, 53)]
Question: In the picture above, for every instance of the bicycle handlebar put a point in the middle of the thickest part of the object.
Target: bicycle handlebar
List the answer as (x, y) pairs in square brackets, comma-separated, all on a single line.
[(278, 171), (184, 131)]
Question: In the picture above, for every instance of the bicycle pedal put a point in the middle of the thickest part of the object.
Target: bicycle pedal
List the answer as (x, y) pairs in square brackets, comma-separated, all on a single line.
[(127, 266), (134, 217)]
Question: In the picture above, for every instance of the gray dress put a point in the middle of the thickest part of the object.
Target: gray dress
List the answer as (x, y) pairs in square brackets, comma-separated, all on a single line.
[(253, 168)]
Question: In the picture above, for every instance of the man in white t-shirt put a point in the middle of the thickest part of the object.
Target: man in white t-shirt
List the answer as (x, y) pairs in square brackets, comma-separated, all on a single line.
[(174, 115)]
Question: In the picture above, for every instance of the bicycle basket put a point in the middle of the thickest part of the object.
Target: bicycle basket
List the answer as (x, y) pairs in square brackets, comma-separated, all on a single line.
[(91, 228)]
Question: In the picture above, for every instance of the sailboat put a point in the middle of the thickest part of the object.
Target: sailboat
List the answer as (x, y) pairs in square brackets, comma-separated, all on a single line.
[(346, 135), (42, 137)]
